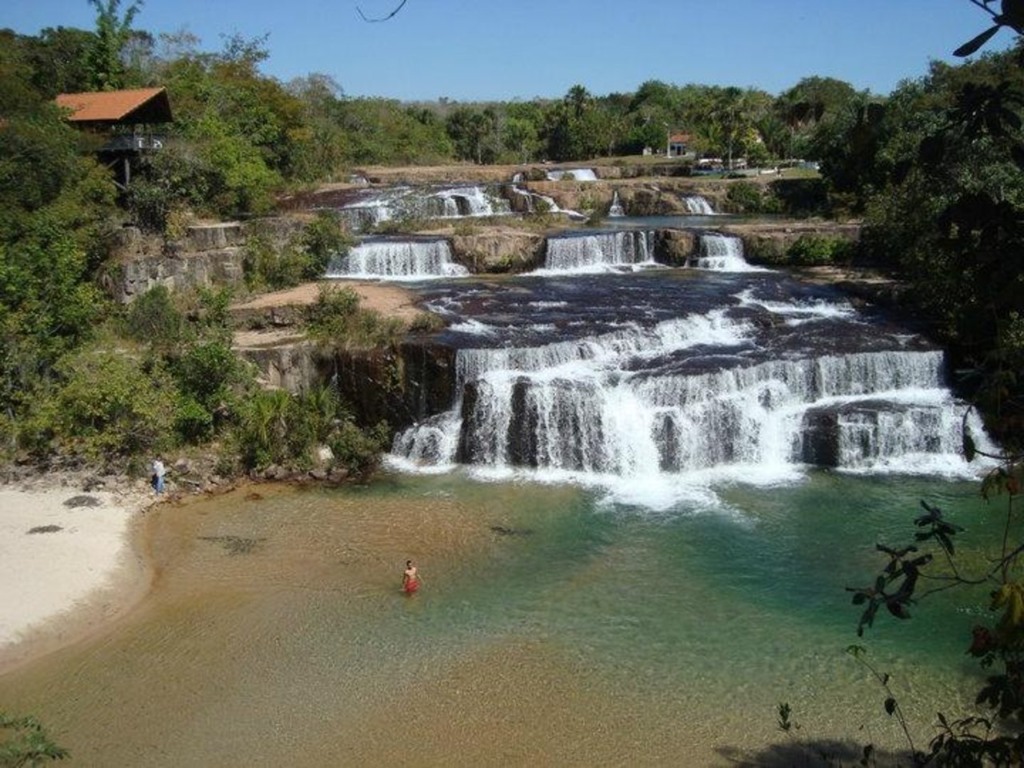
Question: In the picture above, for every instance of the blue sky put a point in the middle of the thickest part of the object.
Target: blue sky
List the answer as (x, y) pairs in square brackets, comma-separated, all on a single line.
[(469, 50)]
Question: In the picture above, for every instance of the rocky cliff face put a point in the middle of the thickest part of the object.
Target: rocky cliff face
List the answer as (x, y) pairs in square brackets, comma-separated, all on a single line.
[(207, 255), (400, 386), (499, 250)]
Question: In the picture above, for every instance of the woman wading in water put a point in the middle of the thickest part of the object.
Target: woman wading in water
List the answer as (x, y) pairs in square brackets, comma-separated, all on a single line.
[(410, 578)]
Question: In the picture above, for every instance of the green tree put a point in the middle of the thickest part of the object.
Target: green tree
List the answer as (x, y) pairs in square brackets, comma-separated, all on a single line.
[(324, 145), (113, 31), (59, 60), (107, 406), (54, 208), (469, 129), (954, 205), (729, 121), (572, 126), (809, 106)]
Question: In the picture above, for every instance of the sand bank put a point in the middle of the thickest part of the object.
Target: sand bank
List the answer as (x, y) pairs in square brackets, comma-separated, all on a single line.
[(67, 563)]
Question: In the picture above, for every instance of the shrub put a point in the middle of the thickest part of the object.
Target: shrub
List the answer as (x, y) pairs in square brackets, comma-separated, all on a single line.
[(267, 266), (154, 318), (359, 450), (747, 197), (193, 422), (818, 250), (278, 428), (323, 239), (206, 370), (426, 322), (263, 426), (335, 318), (744, 197), (108, 405)]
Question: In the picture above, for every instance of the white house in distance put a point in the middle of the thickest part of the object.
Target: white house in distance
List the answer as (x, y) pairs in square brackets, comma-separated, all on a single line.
[(679, 144)]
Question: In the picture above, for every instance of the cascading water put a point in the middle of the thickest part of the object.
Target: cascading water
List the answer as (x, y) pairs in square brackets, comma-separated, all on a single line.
[(397, 260), (698, 206), (410, 202), (470, 201), (723, 253), (575, 174), (616, 209), (550, 205), (599, 252), (731, 390), (368, 212)]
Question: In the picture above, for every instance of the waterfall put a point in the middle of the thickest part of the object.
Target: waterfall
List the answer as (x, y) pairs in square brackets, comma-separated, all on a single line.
[(697, 205), (367, 213), (470, 201), (599, 252), (616, 207), (576, 174), (722, 253), (413, 203), (397, 260), (658, 385), (575, 407), (550, 205)]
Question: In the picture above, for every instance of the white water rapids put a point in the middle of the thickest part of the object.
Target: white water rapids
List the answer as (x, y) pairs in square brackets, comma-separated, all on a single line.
[(758, 389)]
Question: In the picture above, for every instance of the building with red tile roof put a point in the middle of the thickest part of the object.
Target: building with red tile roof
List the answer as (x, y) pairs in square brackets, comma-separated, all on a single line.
[(120, 117), (140, 105)]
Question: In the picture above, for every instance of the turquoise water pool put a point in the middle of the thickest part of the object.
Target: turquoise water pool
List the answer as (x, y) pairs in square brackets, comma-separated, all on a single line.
[(552, 627)]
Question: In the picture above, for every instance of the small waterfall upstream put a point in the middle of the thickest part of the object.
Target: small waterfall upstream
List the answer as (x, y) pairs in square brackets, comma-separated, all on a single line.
[(753, 387), (616, 209), (548, 204), (600, 252), (723, 253), (423, 203), (697, 205), (575, 174), (397, 260)]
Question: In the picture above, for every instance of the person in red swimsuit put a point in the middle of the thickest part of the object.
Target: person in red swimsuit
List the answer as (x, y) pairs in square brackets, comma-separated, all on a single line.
[(410, 578)]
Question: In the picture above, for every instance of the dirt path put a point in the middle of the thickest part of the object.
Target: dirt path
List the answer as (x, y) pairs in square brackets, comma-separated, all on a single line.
[(388, 300)]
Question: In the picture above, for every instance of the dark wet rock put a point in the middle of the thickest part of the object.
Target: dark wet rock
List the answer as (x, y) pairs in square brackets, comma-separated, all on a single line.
[(45, 529), (83, 501), (93, 483), (235, 545)]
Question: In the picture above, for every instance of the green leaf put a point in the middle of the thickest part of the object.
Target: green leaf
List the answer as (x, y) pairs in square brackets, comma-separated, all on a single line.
[(975, 43)]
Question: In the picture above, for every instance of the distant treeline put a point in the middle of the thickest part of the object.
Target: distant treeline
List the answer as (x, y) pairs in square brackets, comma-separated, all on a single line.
[(240, 136)]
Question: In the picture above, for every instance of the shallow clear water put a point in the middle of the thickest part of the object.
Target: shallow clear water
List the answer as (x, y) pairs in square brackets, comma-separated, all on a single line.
[(552, 628)]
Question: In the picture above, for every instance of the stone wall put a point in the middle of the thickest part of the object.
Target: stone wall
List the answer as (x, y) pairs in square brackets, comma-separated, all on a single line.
[(207, 255)]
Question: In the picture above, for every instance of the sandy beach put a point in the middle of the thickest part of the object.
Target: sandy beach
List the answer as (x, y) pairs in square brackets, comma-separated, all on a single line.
[(67, 564)]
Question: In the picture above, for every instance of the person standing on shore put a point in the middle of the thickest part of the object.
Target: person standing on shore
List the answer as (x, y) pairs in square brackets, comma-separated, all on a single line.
[(158, 475), (410, 578)]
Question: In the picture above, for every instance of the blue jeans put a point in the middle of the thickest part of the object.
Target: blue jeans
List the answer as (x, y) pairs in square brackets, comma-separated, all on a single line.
[(158, 483)]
